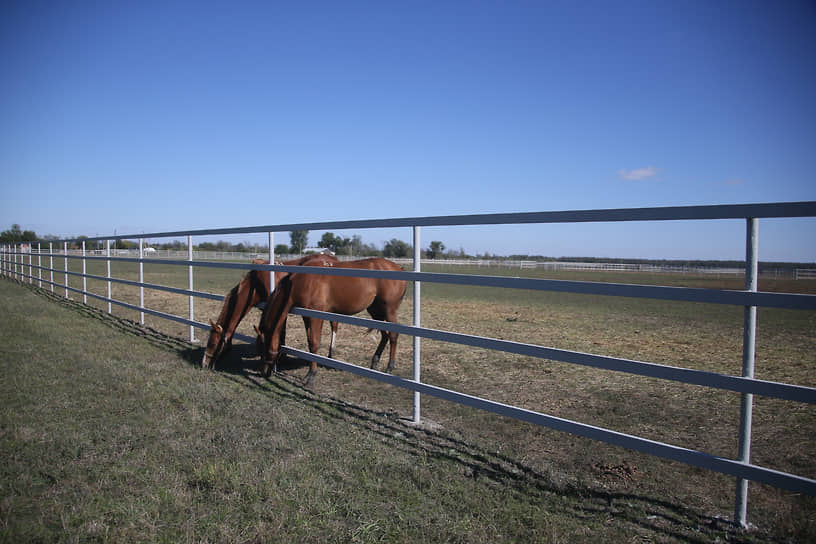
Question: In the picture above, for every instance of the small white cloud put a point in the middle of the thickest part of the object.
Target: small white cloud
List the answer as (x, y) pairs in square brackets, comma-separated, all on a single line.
[(637, 174)]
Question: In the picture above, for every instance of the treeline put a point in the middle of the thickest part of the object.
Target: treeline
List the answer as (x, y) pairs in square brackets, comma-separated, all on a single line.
[(394, 248), (299, 244), (15, 235)]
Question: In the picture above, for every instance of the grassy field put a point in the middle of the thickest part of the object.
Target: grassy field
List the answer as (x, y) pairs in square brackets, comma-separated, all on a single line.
[(575, 487)]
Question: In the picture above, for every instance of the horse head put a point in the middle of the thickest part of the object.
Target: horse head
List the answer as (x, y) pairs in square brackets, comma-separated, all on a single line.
[(215, 345)]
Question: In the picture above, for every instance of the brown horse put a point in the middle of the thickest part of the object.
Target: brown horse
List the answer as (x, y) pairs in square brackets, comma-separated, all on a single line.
[(251, 291), (338, 294)]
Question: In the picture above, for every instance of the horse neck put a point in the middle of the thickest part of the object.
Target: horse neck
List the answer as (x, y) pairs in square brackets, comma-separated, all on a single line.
[(236, 305), (259, 281), (276, 311)]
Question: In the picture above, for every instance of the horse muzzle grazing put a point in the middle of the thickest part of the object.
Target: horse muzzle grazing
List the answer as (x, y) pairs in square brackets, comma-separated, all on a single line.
[(215, 346)]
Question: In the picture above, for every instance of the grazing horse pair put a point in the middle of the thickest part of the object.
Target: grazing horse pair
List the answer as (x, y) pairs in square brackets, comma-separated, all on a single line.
[(252, 290), (329, 293)]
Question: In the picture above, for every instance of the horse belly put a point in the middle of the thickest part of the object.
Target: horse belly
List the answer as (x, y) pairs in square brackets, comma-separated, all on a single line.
[(349, 296)]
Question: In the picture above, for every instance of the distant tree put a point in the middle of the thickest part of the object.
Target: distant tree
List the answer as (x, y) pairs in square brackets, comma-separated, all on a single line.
[(460, 254), (356, 245), (16, 235), (299, 239), (281, 249), (176, 244), (435, 250), (334, 243), (396, 248)]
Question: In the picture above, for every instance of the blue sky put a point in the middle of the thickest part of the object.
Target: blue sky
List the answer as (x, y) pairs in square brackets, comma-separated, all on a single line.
[(161, 115)]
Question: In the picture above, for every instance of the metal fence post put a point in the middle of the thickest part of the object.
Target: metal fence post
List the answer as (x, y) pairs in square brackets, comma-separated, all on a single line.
[(190, 273), (65, 249), (51, 263), (84, 278), (271, 261), (141, 280), (748, 357), (30, 263), (39, 265), (417, 320), (108, 253)]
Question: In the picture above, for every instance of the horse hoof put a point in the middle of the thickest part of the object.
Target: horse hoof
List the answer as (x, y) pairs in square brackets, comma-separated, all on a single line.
[(390, 367), (309, 382)]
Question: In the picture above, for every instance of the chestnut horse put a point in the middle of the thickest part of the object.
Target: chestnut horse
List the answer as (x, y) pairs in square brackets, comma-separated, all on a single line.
[(329, 293), (251, 291)]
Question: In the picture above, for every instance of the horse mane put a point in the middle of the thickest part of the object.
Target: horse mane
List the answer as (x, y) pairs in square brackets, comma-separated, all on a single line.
[(276, 303)]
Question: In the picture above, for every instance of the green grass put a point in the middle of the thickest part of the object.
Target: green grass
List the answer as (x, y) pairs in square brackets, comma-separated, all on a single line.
[(692, 335), (109, 432)]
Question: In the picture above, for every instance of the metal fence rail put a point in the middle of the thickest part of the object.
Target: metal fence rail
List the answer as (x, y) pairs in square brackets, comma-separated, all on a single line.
[(13, 264)]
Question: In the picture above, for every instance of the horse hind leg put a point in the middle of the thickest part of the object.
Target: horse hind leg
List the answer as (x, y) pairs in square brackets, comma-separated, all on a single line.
[(391, 316), (376, 311), (392, 359), (333, 325), (375, 360)]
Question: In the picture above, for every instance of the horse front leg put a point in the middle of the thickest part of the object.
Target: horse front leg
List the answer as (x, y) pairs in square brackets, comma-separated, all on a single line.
[(314, 328), (273, 369)]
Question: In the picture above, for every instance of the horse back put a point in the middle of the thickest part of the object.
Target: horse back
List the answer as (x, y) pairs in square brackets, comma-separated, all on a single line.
[(388, 291), (347, 294)]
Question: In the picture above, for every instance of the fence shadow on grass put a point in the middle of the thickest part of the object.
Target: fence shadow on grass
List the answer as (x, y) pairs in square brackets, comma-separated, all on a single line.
[(242, 366)]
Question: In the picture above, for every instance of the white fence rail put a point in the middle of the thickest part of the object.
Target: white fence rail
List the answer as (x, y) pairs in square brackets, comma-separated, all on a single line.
[(19, 263)]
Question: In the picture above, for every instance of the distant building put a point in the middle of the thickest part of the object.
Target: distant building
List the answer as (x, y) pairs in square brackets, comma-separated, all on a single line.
[(319, 250)]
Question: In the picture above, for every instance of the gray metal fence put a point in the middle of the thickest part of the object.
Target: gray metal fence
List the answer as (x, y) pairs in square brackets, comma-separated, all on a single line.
[(19, 263)]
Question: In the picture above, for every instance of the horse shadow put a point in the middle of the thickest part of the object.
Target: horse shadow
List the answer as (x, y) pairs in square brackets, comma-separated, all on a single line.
[(242, 359)]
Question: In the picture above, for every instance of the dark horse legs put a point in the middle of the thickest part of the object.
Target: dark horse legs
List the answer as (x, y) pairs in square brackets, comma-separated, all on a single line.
[(380, 312)]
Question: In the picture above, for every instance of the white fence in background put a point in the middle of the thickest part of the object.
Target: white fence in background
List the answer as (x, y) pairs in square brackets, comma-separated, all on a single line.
[(20, 263), (805, 274), (769, 271)]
